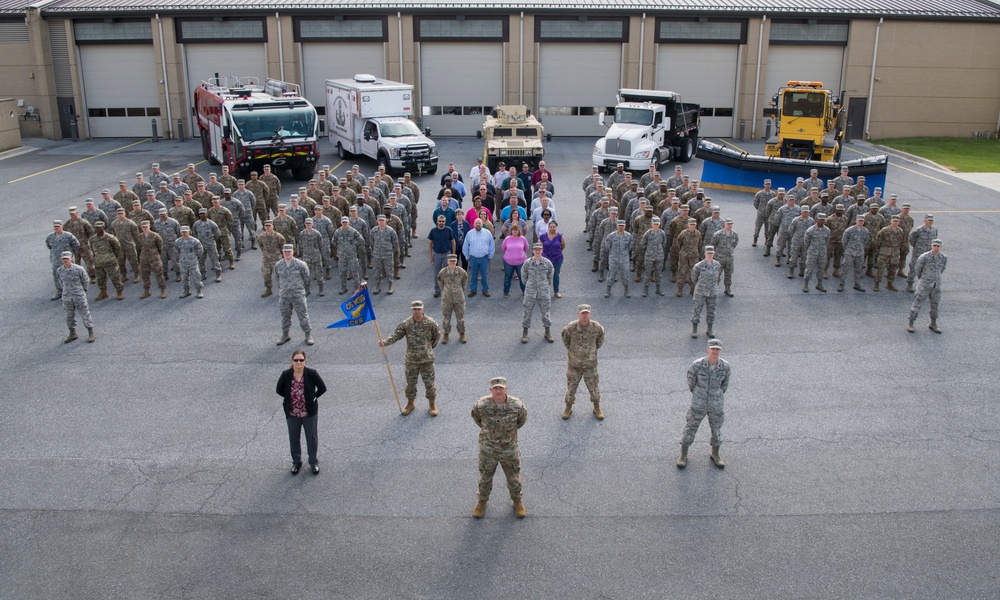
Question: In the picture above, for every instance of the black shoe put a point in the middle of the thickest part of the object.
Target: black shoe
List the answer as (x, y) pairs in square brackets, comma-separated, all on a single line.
[(296, 467), (315, 469), (437, 294)]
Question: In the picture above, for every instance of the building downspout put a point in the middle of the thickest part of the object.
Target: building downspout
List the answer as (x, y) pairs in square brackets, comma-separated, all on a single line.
[(520, 67), (642, 46), (399, 23), (166, 84), (871, 82), (281, 50), (756, 85)]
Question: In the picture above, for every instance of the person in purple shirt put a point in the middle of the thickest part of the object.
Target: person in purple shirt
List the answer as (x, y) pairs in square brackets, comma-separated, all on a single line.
[(554, 243)]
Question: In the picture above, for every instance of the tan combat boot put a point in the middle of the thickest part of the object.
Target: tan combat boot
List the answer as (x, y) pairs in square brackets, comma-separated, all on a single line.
[(145, 294), (163, 293), (102, 295), (121, 295), (267, 292), (934, 326), (889, 286), (434, 408), (567, 411), (70, 337), (462, 338), (909, 326), (444, 338), (682, 461), (598, 412), (519, 509), (90, 335), (479, 510), (548, 336), (716, 458), (875, 289), (524, 336), (408, 408), (680, 290)]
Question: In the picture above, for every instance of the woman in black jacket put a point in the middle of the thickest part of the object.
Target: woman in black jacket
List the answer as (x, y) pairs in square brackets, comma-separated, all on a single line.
[(301, 387)]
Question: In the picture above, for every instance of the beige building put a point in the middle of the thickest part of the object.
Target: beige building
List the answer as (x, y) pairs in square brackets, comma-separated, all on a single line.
[(110, 68)]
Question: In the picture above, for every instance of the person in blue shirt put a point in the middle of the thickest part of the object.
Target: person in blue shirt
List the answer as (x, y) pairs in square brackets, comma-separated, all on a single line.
[(479, 248), (444, 209), (441, 243)]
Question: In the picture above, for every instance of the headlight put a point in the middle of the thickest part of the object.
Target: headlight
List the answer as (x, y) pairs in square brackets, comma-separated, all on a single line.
[(394, 152), (641, 154), (434, 151), (503, 152), (597, 148)]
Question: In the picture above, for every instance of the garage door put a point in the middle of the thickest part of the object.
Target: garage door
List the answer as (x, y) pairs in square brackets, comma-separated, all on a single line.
[(455, 98), (241, 60), (702, 73), (107, 70), (575, 83), (803, 63), (338, 61)]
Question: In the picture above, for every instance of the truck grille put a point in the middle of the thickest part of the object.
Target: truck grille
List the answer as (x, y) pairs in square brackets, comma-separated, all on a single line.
[(619, 147), (516, 152), (417, 151)]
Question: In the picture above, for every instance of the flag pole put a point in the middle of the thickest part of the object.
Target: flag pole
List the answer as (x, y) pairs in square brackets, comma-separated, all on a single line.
[(386, 357)]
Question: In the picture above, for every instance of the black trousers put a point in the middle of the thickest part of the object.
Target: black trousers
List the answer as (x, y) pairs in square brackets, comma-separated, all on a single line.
[(295, 427)]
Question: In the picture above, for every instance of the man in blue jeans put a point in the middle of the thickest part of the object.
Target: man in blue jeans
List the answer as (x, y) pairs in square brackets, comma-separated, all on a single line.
[(441, 243), (479, 249)]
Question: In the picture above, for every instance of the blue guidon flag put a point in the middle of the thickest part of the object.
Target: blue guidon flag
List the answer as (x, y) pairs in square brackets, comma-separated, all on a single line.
[(358, 308)]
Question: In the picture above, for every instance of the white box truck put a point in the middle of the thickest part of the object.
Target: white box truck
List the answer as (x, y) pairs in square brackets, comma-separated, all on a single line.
[(371, 117)]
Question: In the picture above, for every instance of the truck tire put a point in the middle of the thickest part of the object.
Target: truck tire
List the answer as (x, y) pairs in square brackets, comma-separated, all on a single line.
[(687, 151), (383, 161), (341, 153)]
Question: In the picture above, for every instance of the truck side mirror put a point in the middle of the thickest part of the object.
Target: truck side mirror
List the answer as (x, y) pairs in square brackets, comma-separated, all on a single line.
[(368, 136), (548, 137), (479, 134), (427, 131), (322, 126), (600, 119), (226, 131)]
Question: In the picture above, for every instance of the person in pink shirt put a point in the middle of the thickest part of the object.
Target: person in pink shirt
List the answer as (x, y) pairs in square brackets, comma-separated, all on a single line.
[(476, 212), (515, 252)]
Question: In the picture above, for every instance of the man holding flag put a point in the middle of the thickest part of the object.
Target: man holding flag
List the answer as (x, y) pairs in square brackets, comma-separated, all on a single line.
[(422, 334)]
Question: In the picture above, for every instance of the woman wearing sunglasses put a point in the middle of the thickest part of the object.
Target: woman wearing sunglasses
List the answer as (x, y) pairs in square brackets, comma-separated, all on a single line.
[(301, 387)]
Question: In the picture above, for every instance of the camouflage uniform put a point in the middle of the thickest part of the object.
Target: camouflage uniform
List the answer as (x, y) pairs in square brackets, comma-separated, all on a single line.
[(582, 344), (154, 179), (192, 178), (785, 216), (705, 279), (121, 199), (293, 281), (920, 239), (837, 225), (128, 235), (873, 223), (347, 246), (190, 252), (597, 216), (178, 188), (57, 244), (314, 248), (415, 190), (640, 225), (93, 216), (238, 214), (854, 240), (772, 222), (270, 247), (708, 227), (183, 215), (453, 282), (73, 281), (928, 269), (688, 253), (224, 219), (888, 241), (107, 252), (81, 229), (139, 215), (760, 200), (169, 231), (421, 338), (403, 235), (385, 249), (725, 243), (287, 227), (817, 241), (796, 234), (906, 224), (249, 201), (498, 425), (615, 252), (150, 249), (649, 254), (674, 229), (208, 234), (262, 200), (537, 276), (708, 386), (364, 252), (228, 181), (273, 184)]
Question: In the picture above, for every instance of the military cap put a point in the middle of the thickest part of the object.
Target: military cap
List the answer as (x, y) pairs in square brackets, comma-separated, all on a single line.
[(123, 183), (709, 249), (905, 205), (254, 173), (398, 184), (177, 175), (139, 174), (136, 203), (728, 220), (936, 242), (282, 206), (804, 208), (799, 179), (890, 195), (894, 218), (929, 217), (183, 228), (685, 177), (641, 193), (541, 246), (715, 343), (620, 223), (614, 209), (287, 248), (268, 222), (302, 189), (202, 210), (675, 200), (859, 218), (767, 181), (308, 220), (814, 171), (823, 194), (66, 254), (227, 191), (313, 180), (144, 224), (150, 193), (861, 177), (380, 218), (634, 182), (583, 308), (450, 256), (155, 165), (781, 190), (200, 183), (353, 208), (212, 175), (417, 304), (821, 216), (57, 223), (190, 165), (345, 220), (72, 209), (621, 164), (655, 221), (605, 200), (838, 206), (407, 174), (692, 221), (716, 209), (162, 211), (874, 205), (163, 184), (89, 201), (393, 195), (243, 181), (120, 210), (498, 382)]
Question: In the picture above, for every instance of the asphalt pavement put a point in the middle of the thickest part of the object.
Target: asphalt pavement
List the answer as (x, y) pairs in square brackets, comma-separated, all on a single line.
[(862, 461)]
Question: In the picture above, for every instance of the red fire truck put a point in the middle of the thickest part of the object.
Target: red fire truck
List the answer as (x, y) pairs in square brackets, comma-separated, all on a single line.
[(246, 124)]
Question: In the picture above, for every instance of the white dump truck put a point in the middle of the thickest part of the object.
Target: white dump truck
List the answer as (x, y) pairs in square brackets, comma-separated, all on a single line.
[(371, 117), (650, 127)]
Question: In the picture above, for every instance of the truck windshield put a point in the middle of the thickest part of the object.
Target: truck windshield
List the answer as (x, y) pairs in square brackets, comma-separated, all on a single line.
[(633, 116), (527, 132), (265, 123), (803, 104), (400, 129)]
